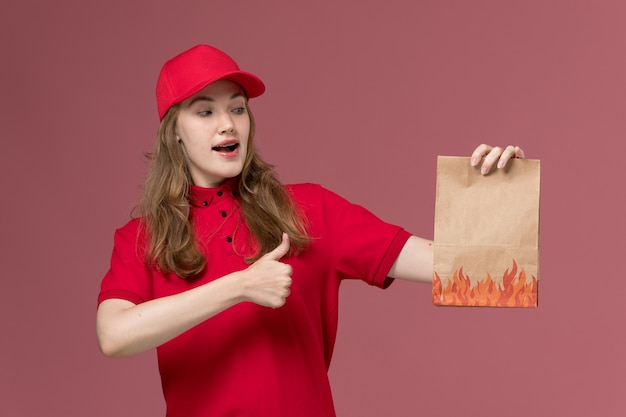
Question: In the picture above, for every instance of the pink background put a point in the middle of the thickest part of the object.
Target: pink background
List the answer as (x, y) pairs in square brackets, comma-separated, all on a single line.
[(362, 96)]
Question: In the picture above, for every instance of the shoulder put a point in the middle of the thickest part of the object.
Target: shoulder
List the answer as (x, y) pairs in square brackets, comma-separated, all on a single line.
[(133, 226), (304, 192), (308, 190), (304, 188), (314, 198), (310, 193), (132, 233)]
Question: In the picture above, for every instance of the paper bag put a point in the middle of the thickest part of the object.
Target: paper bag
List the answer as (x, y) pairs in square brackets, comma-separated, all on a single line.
[(486, 234)]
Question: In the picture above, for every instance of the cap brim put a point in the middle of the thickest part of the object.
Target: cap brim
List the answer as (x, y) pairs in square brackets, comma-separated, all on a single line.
[(252, 84)]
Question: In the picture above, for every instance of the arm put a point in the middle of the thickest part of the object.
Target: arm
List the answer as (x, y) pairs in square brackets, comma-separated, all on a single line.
[(415, 261), (125, 329)]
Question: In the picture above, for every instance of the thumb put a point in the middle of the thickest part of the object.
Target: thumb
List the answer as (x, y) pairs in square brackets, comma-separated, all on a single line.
[(280, 250)]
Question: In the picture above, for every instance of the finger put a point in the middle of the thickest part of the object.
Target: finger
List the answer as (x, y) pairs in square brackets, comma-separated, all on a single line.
[(507, 154), (479, 152), (490, 160), (280, 250)]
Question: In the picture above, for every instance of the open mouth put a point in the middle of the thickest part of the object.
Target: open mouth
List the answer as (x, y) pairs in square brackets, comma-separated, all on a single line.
[(226, 148)]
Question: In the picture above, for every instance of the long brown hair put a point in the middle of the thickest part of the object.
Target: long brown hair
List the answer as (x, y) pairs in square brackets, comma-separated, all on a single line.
[(266, 205)]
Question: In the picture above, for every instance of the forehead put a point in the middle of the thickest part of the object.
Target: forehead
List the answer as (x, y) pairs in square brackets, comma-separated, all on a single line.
[(219, 89)]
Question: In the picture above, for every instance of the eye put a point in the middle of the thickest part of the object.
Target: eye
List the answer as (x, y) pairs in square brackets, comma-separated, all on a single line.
[(239, 110), (205, 113)]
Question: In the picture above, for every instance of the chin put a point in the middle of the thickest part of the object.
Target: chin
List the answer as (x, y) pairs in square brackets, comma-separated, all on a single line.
[(232, 173)]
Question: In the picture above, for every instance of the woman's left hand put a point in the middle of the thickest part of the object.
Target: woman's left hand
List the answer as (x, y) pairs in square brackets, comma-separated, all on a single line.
[(494, 155)]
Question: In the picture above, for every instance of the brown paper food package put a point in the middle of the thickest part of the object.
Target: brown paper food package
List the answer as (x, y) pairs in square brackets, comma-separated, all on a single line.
[(486, 234)]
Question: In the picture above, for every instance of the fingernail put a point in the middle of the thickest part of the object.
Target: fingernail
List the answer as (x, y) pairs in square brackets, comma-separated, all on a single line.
[(474, 161), (500, 164), (484, 170)]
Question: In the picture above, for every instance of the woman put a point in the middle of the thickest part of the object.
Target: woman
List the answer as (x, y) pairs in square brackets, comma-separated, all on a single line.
[(232, 276)]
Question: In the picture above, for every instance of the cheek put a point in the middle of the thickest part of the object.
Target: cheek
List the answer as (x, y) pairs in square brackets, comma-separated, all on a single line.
[(190, 138), (189, 131), (245, 133), (181, 135), (244, 144)]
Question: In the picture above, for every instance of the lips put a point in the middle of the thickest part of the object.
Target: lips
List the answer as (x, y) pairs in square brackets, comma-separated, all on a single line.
[(228, 148)]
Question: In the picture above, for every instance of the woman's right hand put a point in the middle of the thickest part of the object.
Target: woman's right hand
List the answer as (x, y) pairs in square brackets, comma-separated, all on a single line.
[(266, 282)]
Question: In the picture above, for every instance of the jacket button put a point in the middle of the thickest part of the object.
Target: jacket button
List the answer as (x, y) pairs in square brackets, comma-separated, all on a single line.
[(223, 214), (229, 239), (219, 193)]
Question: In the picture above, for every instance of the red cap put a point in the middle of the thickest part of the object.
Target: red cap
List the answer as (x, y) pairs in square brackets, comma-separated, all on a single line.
[(189, 72)]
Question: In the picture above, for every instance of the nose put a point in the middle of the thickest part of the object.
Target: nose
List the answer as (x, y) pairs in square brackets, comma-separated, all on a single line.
[(226, 124)]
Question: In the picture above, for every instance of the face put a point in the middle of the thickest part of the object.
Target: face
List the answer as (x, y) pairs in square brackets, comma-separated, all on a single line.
[(213, 128)]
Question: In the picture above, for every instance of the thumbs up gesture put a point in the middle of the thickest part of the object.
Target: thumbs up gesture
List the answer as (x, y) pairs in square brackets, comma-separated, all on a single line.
[(266, 282)]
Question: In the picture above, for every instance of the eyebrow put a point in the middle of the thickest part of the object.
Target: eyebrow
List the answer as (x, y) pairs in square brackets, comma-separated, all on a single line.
[(209, 99)]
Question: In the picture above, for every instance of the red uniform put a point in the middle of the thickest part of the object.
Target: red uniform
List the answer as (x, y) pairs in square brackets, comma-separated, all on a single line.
[(250, 360)]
